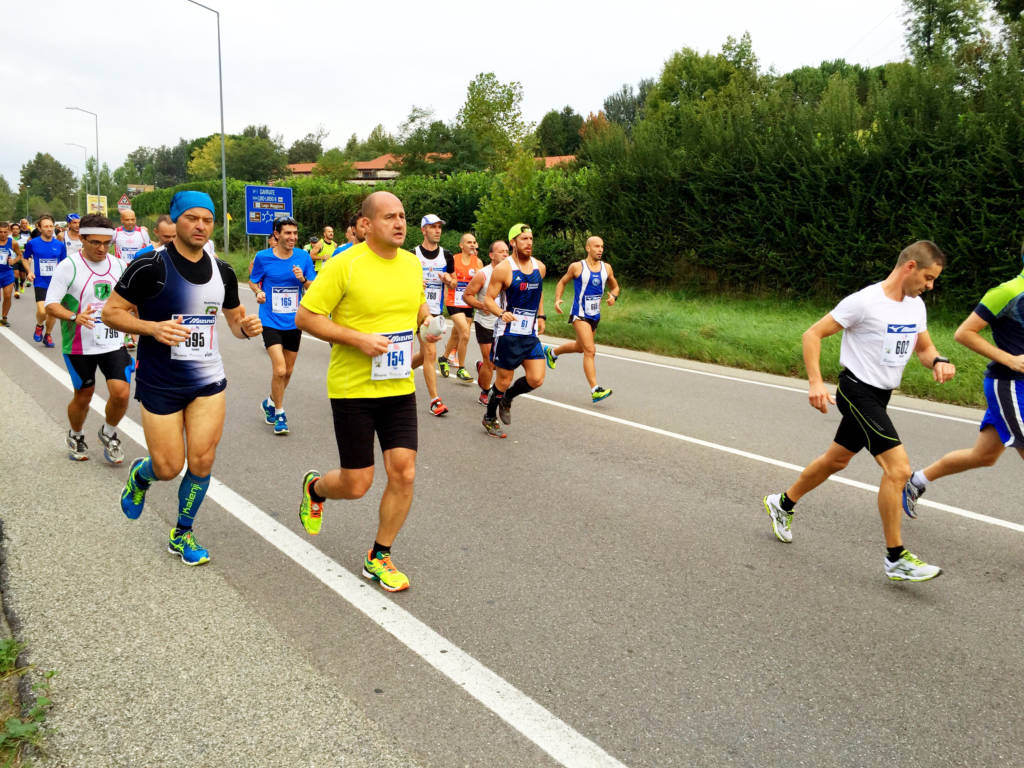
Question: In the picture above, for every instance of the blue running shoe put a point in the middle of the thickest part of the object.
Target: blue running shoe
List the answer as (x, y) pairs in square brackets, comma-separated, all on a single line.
[(37, 334), (281, 425), (549, 356), (268, 411), (133, 497), (187, 548)]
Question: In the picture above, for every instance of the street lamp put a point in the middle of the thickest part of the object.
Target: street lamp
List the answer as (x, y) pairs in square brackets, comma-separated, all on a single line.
[(223, 162), (85, 153), (97, 119)]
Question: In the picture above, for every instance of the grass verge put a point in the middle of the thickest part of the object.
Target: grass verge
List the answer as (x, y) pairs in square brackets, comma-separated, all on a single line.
[(20, 729)]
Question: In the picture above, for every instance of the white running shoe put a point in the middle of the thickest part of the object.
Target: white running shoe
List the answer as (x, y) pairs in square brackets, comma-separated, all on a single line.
[(782, 521), (910, 568)]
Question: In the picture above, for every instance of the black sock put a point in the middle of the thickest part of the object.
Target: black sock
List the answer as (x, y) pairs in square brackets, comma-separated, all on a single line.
[(492, 402), (893, 553), (380, 549), (178, 530), (314, 495), (519, 387), (786, 503)]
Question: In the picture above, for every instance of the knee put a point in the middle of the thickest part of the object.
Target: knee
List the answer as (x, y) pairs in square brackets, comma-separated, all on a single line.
[(536, 379), (402, 474), (280, 370), (589, 350), (165, 468), (837, 464), (359, 484), (898, 473), (989, 458)]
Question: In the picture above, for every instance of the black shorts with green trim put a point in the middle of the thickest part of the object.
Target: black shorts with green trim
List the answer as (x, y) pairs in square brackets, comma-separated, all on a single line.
[(865, 424)]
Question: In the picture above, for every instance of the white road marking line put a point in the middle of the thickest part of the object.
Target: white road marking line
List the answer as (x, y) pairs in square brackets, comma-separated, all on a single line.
[(774, 462), (522, 713)]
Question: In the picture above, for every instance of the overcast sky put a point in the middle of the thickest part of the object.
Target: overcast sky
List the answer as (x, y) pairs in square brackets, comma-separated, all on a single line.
[(149, 67)]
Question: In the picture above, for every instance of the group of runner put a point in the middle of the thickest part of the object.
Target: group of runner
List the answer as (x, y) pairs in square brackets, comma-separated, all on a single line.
[(373, 301)]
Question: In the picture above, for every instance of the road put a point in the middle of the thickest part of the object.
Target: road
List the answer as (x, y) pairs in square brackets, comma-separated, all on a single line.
[(601, 588)]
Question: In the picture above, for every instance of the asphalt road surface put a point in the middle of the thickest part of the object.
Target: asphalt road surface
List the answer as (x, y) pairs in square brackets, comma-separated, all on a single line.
[(602, 587)]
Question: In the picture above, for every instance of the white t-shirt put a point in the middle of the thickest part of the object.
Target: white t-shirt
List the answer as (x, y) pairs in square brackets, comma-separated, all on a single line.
[(879, 334), (433, 285), (482, 316)]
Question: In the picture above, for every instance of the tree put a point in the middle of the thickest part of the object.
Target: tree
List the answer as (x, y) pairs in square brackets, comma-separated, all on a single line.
[(8, 201), (205, 161), (309, 148), (625, 107), (559, 132), (46, 177), (255, 159), (938, 29), (170, 164), (492, 116), (334, 164)]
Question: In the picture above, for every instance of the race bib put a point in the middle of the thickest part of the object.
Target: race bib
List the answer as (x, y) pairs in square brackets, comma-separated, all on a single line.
[(898, 343), (201, 343), (522, 322), (433, 293), (396, 363), (47, 267), (460, 290), (591, 305), (128, 253), (105, 337), (284, 301)]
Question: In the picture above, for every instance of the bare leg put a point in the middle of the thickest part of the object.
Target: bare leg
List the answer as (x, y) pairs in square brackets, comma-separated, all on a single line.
[(821, 469), (400, 464), (986, 451), (895, 473)]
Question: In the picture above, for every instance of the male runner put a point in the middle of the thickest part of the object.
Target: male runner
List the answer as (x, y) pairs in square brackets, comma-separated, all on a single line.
[(1002, 426), (72, 239), (20, 238), (279, 276), (164, 231), (882, 326), (483, 321), (170, 299), (323, 249), (43, 254), (128, 241), (432, 258), (368, 302), (589, 277), (10, 254), (79, 288), (463, 266), (357, 226), (520, 281)]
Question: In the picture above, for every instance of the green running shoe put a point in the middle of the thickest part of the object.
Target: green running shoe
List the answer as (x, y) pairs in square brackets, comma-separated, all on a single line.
[(549, 356), (310, 512), (187, 548), (463, 375), (133, 496), (444, 365), (600, 394), (378, 567)]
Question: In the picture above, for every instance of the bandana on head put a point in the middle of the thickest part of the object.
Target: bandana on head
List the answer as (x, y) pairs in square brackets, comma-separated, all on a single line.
[(183, 201)]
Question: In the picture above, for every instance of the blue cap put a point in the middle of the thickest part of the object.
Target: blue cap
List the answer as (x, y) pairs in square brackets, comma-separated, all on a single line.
[(187, 199), (72, 217)]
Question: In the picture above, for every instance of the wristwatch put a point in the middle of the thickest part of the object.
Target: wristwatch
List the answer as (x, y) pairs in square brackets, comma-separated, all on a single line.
[(939, 359), (74, 317)]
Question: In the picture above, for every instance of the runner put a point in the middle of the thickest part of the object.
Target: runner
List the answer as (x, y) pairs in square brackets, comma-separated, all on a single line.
[(280, 274), (21, 271), (432, 258), (10, 254), (323, 248), (164, 231), (520, 281), (1002, 426), (43, 254), (882, 326), (588, 290), (72, 240), (128, 241), (170, 299), (357, 226), (463, 266), (79, 288), (368, 302), (483, 321)]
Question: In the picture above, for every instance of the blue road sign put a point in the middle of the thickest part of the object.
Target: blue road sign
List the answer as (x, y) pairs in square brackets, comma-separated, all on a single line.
[(263, 205)]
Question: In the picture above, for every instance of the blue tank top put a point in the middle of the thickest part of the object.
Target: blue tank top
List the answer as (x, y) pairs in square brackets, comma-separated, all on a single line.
[(6, 252), (195, 362), (522, 299), (588, 289)]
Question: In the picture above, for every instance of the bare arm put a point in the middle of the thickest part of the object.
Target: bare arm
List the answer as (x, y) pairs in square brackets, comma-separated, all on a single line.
[(614, 289), (817, 394), (542, 320), (242, 326), (469, 295), (261, 297), (501, 278), (325, 329), (926, 353), (969, 334), (570, 274), (122, 315)]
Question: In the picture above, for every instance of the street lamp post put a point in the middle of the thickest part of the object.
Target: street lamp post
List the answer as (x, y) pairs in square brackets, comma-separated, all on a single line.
[(85, 153), (97, 119), (223, 162)]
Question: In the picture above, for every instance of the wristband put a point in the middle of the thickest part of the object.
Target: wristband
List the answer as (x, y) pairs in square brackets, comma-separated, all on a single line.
[(939, 359), (244, 333), (542, 317)]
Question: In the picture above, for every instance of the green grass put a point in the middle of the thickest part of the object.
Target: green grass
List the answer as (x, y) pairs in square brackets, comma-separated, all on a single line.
[(20, 729), (759, 334)]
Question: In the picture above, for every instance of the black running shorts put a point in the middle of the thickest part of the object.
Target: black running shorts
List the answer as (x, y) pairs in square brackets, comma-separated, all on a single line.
[(290, 340), (865, 423), (483, 335), (356, 419)]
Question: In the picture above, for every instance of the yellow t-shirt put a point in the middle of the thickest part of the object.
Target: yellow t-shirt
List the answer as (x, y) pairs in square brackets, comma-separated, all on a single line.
[(364, 292), (325, 250)]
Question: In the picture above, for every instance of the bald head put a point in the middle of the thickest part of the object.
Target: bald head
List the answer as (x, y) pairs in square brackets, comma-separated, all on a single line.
[(374, 201), (594, 247)]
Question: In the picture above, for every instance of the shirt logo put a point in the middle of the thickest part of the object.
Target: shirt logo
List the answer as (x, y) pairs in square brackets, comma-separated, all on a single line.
[(898, 328), (101, 291), (596, 281), (211, 309)]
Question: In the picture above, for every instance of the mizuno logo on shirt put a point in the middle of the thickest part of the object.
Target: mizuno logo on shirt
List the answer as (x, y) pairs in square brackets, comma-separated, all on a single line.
[(898, 328)]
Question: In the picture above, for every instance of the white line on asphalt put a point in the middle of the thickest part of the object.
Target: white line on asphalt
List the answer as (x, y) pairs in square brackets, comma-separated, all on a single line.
[(768, 460), (525, 715)]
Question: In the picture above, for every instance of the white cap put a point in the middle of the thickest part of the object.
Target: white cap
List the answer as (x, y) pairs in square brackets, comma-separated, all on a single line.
[(431, 218)]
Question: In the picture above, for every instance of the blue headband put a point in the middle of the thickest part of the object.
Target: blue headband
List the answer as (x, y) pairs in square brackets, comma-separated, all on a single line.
[(183, 201), (72, 217)]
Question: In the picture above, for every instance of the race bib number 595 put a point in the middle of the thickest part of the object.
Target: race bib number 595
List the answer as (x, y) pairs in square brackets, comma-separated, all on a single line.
[(201, 343)]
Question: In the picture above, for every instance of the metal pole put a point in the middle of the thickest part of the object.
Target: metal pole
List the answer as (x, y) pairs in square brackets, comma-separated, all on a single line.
[(85, 159), (97, 119), (223, 161)]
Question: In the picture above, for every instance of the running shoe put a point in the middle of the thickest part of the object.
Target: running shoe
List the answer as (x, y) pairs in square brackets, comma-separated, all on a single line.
[(444, 365), (910, 568), (48, 341), (5, 322), (17, 294), (505, 410), (463, 375), (187, 548), (483, 398), (269, 412), (911, 493), (77, 449), (782, 521), (437, 407), (129, 341), (600, 394), (133, 497), (112, 450), (310, 512), (493, 428), (549, 356), (280, 424), (383, 570), (37, 334)]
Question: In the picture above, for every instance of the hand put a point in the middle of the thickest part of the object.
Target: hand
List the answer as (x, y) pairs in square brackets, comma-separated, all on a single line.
[(84, 318), (507, 317), (819, 397), (373, 344), (252, 325), (297, 271), (1016, 363), (541, 324), (261, 297), (170, 332), (943, 372), (558, 306), (611, 300), (431, 339)]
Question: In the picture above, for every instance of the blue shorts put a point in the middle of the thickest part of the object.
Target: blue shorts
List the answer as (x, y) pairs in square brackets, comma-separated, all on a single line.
[(162, 401), (509, 351), (1005, 398), (6, 278)]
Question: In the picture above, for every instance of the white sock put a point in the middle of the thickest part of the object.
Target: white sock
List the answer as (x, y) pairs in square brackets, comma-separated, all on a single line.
[(919, 479), (108, 430), (279, 412), (76, 434), (595, 388)]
